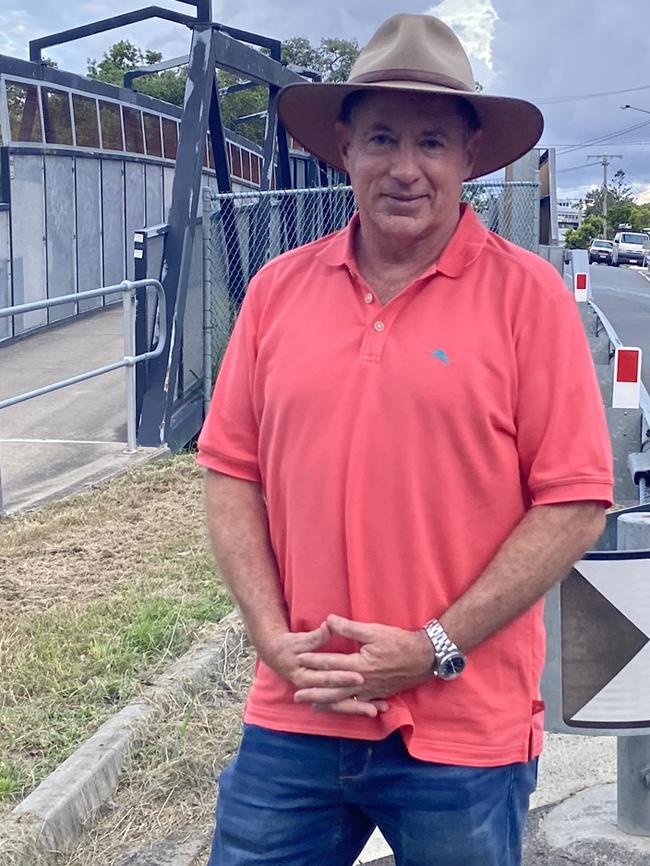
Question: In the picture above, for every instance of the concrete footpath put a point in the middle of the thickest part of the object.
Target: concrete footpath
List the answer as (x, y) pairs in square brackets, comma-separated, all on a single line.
[(58, 443)]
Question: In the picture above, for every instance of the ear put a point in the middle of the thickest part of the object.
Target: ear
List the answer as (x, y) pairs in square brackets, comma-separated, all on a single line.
[(343, 133), (472, 149)]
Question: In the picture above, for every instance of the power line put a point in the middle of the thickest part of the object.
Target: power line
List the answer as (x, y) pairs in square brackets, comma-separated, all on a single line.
[(604, 139), (575, 167), (557, 100), (572, 144)]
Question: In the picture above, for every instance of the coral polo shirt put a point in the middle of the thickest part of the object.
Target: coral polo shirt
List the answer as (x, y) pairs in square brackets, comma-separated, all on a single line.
[(398, 446)]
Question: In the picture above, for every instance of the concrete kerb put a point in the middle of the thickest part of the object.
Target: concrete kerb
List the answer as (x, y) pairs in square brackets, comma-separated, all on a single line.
[(52, 818)]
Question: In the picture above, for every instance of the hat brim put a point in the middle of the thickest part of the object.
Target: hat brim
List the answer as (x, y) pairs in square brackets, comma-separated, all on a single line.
[(511, 127)]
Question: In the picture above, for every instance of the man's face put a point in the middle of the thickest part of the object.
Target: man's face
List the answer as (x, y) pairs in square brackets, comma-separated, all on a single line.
[(407, 156)]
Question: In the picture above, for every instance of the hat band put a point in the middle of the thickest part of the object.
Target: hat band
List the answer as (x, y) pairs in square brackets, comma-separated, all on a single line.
[(410, 75)]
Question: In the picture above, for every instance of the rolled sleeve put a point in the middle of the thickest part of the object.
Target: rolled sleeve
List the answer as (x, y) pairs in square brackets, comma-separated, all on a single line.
[(562, 436), (228, 442)]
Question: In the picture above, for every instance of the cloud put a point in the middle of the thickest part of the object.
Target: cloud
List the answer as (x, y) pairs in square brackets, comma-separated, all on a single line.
[(473, 21)]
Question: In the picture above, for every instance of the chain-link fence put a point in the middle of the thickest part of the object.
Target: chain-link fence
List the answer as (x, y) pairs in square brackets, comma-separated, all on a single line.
[(242, 231)]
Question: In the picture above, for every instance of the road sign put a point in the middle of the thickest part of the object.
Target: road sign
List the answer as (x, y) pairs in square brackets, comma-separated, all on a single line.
[(627, 378), (597, 678), (580, 287)]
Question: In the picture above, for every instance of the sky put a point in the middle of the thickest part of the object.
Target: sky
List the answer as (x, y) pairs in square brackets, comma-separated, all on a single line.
[(578, 60)]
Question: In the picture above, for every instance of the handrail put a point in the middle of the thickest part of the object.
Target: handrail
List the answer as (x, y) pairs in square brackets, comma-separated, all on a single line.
[(127, 288)]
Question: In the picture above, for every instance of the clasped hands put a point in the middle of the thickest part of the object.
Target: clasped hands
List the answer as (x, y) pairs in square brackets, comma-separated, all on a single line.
[(388, 661)]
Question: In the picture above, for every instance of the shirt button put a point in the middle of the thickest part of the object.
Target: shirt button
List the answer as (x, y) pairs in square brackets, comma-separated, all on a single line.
[(368, 298), (379, 326)]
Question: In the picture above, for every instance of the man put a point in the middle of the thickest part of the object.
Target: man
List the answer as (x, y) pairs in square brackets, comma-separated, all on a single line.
[(407, 449)]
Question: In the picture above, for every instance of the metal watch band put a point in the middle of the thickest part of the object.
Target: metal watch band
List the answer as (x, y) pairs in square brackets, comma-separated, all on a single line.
[(449, 662), (442, 644)]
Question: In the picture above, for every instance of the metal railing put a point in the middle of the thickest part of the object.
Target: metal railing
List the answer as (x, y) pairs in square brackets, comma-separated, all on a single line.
[(128, 289)]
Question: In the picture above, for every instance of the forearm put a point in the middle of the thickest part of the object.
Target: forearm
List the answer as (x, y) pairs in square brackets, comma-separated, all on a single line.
[(238, 528), (539, 552)]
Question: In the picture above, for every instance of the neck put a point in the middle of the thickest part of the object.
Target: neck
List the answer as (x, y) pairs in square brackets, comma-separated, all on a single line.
[(392, 261)]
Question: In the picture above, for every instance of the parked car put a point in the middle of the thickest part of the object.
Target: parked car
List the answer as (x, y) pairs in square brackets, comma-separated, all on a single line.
[(630, 248), (600, 251)]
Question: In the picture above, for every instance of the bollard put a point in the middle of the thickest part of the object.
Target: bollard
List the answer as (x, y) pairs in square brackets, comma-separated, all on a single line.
[(633, 753)]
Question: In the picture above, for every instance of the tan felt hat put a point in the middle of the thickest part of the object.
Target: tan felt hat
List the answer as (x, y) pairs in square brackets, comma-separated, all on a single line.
[(419, 54)]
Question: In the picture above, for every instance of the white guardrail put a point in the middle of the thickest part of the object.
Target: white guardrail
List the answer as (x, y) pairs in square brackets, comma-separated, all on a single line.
[(578, 263), (128, 289)]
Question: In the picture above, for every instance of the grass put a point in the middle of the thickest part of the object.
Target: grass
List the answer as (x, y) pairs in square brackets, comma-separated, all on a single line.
[(98, 594)]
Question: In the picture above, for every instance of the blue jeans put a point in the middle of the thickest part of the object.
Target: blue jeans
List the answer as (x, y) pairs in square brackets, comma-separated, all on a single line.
[(306, 800)]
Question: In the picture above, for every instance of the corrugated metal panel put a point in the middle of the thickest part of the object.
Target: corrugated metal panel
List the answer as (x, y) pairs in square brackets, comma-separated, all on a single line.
[(193, 323), (89, 230), (135, 211), (5, 273), (113, 221), (28, 233), (60, 233), (154, 193), (168, 182)]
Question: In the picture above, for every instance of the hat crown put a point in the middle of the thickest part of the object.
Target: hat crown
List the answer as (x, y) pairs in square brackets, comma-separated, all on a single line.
[(420, 47)]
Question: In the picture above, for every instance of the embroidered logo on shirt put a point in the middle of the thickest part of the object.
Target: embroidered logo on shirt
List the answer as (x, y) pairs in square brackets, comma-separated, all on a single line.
[(441, 355)]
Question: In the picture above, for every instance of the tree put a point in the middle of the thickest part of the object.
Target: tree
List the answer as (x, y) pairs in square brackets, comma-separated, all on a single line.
[(620, 203), (123, 56), (580, 238), (333, 59)]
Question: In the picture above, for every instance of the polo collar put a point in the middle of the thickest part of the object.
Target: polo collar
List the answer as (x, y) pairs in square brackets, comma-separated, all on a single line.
[(463, 248)]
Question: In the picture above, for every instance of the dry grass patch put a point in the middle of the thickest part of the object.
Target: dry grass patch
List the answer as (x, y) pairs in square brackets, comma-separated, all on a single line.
[(98, 593), (169, 788)]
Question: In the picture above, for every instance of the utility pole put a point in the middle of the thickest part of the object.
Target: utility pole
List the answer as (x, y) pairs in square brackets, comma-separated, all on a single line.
[(604, 161)]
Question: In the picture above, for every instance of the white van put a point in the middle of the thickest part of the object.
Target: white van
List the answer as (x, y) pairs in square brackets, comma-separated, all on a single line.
[(630, 247)]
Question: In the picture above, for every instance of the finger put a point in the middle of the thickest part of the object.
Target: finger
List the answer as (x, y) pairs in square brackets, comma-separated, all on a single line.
[(363, 632), (323, 695), (349, 707), (305, 678), (307, 641), (330, 661)]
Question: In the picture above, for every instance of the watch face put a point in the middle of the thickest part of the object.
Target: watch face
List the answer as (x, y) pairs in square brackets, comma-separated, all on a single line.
[(452, 667)]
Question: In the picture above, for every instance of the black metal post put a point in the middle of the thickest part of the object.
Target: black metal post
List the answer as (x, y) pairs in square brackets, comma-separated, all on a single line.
[(36, 46), (186, 197)]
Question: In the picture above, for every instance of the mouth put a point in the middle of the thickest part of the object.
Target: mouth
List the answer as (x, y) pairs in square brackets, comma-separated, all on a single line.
[(404, 199)]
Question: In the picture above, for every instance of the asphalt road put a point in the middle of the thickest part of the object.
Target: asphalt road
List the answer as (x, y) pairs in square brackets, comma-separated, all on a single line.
[(623, 294)]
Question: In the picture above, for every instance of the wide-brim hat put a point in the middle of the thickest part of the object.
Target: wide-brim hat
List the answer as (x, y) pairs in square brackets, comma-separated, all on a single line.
[(416, 54)]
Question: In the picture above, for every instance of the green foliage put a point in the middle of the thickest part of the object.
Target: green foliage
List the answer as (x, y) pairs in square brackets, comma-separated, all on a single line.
[(580, 238), (621, 208), (332, 59), (123, 56)]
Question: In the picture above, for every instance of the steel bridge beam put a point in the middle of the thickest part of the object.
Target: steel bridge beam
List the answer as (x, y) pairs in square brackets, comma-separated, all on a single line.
[(162, 373), (36, 46), (212, 48)]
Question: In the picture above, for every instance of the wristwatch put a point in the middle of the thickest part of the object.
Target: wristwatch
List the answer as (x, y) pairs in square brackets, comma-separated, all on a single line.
[(449, 661)]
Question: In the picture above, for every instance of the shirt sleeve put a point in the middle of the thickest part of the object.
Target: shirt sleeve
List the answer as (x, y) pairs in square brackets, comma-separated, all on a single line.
[(228, 442), (563, 441)]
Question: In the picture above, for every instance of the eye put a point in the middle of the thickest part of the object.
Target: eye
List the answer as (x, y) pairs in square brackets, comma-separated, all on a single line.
[(432, 143), (380, 138)]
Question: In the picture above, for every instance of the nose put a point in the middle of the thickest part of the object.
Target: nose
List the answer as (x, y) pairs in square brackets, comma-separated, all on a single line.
[(405, 166)]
